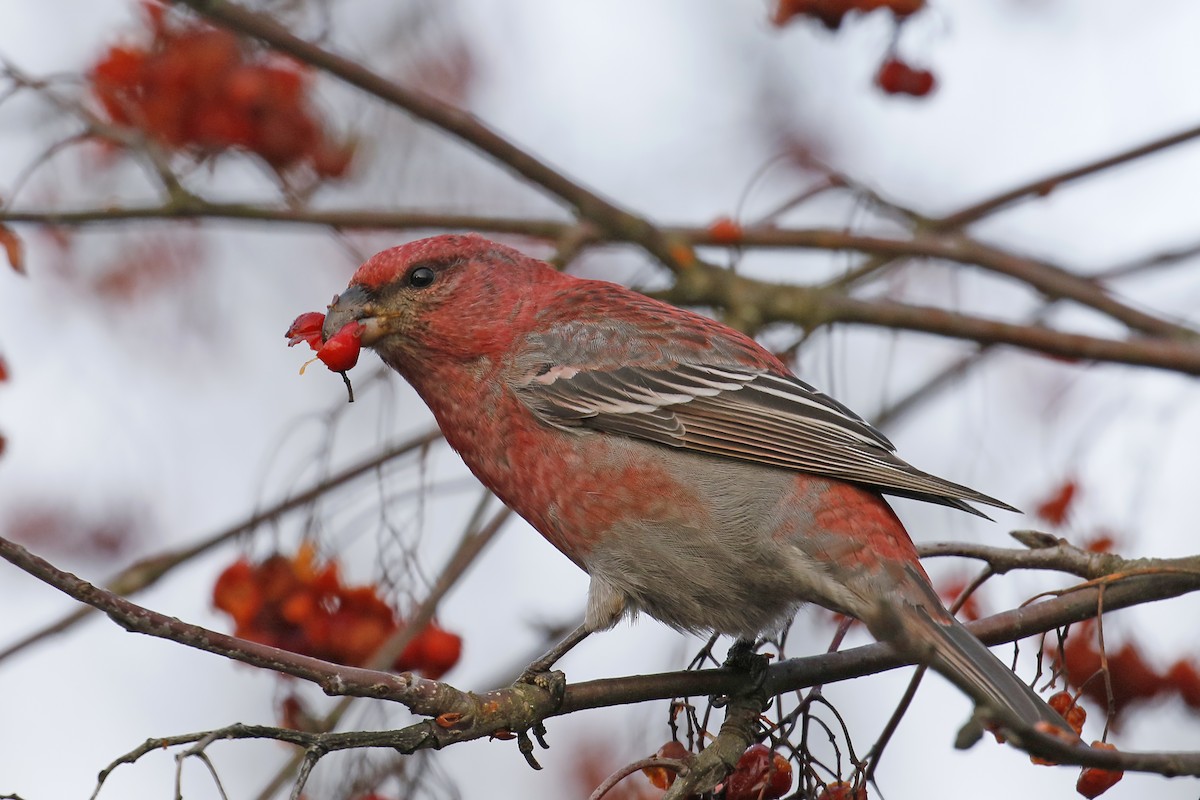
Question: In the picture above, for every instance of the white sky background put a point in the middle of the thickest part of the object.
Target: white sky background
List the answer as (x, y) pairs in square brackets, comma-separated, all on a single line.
[(180, 405)]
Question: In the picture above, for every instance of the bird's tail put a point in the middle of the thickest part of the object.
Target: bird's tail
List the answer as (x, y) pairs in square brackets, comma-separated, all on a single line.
[(950, 649)]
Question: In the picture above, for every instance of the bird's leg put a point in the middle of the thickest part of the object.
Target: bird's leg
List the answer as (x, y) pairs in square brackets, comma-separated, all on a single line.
[(742, 657), (543, 664), (539, 674)]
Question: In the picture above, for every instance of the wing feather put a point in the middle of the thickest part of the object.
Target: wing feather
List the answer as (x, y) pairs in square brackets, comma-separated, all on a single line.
[(739, 413)]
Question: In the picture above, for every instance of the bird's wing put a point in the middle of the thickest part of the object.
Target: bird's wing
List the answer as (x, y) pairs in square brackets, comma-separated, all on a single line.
[(735, 412)]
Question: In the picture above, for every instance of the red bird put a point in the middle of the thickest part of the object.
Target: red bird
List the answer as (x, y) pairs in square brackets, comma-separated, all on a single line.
[(674, 459)]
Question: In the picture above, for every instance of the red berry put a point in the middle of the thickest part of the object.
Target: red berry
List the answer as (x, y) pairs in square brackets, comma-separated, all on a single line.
[(1185, 677), (724, 230), (842, 791), (1055, 508), (663, 777), (333, 160), (1068, 709), (440, 652), (759, 775), (1094, 781), (340, 351), (897, 77), (306, 328)]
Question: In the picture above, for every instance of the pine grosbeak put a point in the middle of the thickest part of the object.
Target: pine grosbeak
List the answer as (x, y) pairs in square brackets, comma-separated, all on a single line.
[(674, 459)]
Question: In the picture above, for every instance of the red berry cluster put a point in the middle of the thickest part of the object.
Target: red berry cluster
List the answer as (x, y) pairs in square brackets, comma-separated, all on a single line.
[(339, 352), (1131, 677), (760, 773), (301, 605), (831, 12), (200, 89)]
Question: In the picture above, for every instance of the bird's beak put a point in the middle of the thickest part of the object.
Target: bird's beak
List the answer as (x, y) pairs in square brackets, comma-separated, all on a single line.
[(353, 305)]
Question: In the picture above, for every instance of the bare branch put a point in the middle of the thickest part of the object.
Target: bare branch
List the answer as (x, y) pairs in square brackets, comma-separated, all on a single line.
[(466, 127), (762, 302), (1050, 182), (461, 716)]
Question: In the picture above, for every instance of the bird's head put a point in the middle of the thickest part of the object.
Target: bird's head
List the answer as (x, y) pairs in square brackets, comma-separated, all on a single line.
[(454, 296)]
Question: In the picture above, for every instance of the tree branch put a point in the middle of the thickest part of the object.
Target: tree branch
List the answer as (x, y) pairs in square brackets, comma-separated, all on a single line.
[(758, 303), (460, 716), (466, 127), (1044, 185)]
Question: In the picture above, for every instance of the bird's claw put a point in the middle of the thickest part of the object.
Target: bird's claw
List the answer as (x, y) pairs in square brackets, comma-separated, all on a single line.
[(553, 682), (525, 744)]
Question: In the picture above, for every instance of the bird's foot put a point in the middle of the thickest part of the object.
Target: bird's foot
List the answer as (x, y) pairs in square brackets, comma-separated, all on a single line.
[(551, 681), (743, 658)]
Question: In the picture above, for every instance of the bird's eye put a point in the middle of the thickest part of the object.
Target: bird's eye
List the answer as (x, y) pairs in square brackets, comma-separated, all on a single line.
[(420, 277)]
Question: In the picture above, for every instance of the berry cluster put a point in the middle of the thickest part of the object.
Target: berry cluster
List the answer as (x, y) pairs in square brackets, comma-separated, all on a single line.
[(760, 774), (199, 89), (301, 605), (1131, 678), (1092, 781), (843, 790), (831, 12), (894, 76)]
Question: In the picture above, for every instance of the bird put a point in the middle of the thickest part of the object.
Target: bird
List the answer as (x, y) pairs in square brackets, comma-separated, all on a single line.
[(678, 462)]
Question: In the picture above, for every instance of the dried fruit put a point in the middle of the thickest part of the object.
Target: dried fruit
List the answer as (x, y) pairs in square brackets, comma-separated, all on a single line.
[(760, 774)]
